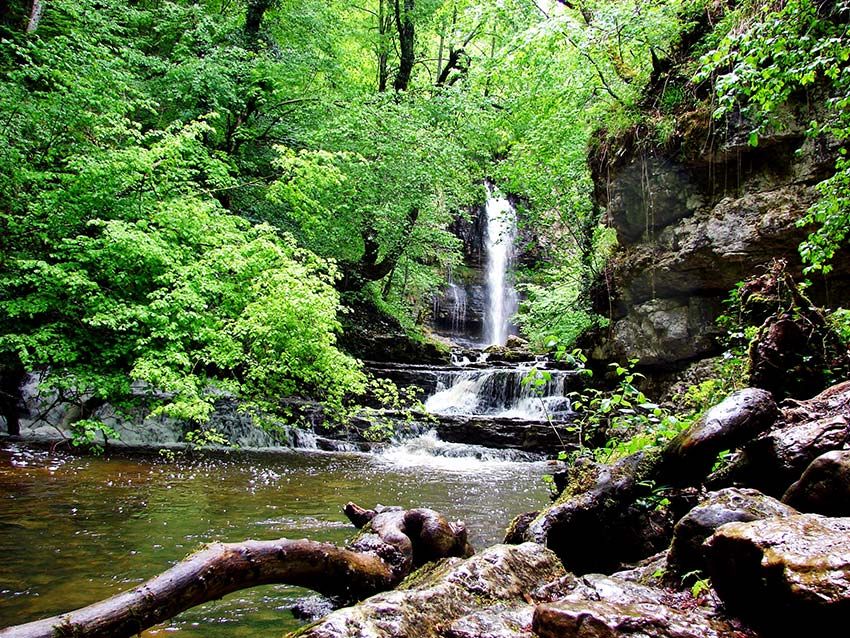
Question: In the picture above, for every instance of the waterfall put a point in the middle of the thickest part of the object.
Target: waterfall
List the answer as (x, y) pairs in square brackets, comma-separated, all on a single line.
[(499, 245), (500, 392)]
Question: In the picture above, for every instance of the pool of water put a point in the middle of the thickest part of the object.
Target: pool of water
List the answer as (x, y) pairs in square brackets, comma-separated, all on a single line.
[(74, 530)]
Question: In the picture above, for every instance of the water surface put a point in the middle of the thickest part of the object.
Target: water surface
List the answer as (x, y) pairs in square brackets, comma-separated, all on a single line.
[(74, 530)]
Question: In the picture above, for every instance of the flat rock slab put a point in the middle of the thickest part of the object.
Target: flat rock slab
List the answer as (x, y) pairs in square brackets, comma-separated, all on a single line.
[(488, 593), (608, 607), (784, 573)]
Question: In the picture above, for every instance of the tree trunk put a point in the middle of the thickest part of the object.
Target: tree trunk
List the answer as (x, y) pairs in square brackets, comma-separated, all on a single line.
[(254, 17), (384, 21), (406, 37), (369, 268), (12, 377), (459, 60), (35, 15), (392, 543)]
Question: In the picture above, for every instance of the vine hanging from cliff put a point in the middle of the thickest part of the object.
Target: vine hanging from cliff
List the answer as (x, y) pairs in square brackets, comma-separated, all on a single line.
[(772, 54)]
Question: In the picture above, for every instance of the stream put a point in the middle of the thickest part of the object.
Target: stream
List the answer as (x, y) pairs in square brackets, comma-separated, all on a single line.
[(75, 529)]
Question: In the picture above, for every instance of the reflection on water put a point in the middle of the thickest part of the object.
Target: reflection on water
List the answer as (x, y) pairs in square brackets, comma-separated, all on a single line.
[(74, 530)]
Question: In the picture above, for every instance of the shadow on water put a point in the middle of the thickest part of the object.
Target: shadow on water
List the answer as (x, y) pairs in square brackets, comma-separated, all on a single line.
[(75, 529)]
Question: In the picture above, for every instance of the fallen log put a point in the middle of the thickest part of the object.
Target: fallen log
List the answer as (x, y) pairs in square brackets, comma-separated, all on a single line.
[(391, 543)]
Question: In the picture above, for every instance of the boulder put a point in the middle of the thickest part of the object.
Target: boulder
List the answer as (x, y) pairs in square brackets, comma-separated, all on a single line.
[(716, 509), (515, 342), (489, 591), (824, 487), (598, 523), (807, 430), (607, 607), (507, 354), (688, 458), (789, 575)]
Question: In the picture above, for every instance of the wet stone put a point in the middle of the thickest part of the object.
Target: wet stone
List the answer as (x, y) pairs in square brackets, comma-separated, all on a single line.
[(789, 575), (716, 509), (608, 607), (451, 598), (824, 487)]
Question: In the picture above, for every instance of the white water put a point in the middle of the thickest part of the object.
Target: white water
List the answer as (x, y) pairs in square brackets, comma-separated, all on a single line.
[(499, 244), (500, 392), (427, 450)]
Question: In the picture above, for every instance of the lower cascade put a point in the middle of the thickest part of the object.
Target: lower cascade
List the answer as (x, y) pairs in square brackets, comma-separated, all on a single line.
[(501, 392)]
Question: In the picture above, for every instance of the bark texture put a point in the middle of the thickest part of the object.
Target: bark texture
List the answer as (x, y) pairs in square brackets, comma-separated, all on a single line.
[(406, 41)]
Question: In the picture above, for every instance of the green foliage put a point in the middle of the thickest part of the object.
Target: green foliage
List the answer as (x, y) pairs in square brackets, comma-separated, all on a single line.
[(555, 308), (772, 53), (700, 584), (396, 406), (627, 420), (839, 321), (91, 434), (121, 269), (205, 437)]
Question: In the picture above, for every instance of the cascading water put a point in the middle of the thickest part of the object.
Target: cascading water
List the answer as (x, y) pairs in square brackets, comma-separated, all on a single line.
[(454, 300), (500, 392), (499, 244)]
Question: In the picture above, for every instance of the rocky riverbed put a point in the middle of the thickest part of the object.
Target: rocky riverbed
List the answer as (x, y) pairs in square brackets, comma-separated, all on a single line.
[(721, 559)]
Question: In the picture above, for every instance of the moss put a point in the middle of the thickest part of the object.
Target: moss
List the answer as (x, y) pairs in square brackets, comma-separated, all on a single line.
[(428, 572)]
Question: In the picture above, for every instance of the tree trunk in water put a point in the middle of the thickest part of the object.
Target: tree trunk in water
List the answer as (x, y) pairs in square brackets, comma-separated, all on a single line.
[(12, 377), (406, 36), (393, 541)]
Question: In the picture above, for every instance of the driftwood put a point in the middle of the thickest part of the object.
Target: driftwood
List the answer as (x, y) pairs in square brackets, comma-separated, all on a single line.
[(392, 542)]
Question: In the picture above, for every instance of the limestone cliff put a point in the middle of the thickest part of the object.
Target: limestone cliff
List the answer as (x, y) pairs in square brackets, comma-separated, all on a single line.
[(693, 217)]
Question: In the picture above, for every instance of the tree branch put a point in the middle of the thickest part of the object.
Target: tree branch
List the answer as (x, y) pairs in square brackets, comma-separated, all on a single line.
[(392, 542)]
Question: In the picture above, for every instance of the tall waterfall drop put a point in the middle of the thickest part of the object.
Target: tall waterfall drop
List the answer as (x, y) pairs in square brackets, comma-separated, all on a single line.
[(499, 244)]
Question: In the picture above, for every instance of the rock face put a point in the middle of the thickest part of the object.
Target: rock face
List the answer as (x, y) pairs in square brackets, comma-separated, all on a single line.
[(824, 487), (716, 509), (735, 420), (484, 596), (788, 575), (692, 221), (603, 607), (371, 335)]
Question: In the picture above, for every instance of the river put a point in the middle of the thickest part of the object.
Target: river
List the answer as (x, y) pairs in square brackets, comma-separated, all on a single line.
[(76, 529)]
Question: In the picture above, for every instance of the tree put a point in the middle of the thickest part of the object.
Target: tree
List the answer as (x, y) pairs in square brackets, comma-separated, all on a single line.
[(119, 263), (406, 42)]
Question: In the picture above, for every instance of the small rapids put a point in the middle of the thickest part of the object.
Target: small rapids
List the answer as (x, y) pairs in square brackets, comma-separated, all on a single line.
[(500, 392), (428, 450)]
